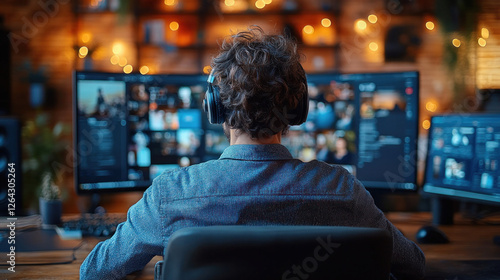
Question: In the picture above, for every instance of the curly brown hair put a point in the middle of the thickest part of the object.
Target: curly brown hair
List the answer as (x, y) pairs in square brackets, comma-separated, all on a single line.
[(260, 79)]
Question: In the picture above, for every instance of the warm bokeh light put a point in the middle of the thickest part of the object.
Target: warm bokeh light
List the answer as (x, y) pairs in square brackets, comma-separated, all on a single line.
[(456, 42), (128, 69), (229, 3), (426, 124), (144, 70), (308, 29), (122, 61), (360, 24), (83, 51), (260, 4), (95, 3), (170, 2), (86, 37), (207, 69), (118, 48), (373, 46), (372, 18), (485, 33), (174, 26), (267, 2), (114, 59), (431, 106), (481, 42), (326, 22), (430, 25)]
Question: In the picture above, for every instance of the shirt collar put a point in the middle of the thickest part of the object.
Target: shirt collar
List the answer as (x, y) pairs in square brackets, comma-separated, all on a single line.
[(257, 152)]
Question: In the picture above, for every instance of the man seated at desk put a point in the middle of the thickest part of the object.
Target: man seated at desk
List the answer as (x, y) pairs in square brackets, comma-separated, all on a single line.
[(263, 90)]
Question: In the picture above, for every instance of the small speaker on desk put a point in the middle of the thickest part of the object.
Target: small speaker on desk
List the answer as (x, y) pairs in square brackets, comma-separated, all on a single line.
[(10, 165)]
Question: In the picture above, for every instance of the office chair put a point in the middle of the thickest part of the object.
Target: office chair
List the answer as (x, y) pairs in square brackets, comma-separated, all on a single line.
[(278, 253)]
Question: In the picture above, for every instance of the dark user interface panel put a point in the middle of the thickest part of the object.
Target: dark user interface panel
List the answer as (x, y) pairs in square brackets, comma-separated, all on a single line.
[(463, 156), (131, 128), (366, 122)]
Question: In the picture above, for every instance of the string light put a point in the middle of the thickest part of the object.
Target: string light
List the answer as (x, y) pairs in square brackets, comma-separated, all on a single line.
[(456, 42), (144, 70), (481, 42), (170, 2), (83, 51), (431, 106), (373, 46), (267, 2), (85, 37), (360, 25), (114, 59), (128, 69), (430, 25), (485, 33), (207, 69), (308, 29), (372, 18), (122, 61), (326, 22), (229, 3), (426, 124), (174, 26), (260, 4), (118, 48)]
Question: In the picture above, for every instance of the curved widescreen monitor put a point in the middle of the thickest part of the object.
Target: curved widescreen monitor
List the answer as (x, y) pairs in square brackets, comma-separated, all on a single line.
[(463, 157), (129, 128)]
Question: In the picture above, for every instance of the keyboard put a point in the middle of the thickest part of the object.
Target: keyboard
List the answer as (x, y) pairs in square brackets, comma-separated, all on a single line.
[(97, 225)]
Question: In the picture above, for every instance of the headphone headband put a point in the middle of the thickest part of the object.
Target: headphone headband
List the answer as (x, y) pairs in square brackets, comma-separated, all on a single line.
[(212, 105)]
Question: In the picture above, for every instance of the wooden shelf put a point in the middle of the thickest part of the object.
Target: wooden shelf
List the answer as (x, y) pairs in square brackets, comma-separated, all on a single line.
[(201, 28)]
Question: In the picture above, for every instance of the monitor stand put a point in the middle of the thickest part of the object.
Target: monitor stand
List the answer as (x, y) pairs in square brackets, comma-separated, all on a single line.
[(442, 211), (95, 207)]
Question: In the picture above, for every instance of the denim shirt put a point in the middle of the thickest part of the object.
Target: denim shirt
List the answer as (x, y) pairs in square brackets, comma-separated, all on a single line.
[(248, 184)]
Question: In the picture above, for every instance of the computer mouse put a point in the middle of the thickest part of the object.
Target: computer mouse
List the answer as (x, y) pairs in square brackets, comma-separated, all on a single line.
[(431, 235)]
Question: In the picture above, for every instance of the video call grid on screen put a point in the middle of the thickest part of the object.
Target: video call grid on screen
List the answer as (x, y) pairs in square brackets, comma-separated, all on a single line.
[(131, 128), (463, 157), (368, 123)]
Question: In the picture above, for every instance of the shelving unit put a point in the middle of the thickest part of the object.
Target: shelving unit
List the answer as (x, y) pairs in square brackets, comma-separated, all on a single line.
[(182, 36)]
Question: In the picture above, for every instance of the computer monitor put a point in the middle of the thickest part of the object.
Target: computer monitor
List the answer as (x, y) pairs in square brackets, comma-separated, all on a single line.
[(463, 157), (367, 123), (128, 128)]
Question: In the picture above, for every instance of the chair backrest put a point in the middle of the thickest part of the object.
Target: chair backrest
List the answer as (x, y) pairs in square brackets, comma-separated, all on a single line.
[(278, 252)]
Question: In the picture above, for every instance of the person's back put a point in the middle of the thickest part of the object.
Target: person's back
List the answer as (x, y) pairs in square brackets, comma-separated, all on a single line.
[(257, 88)]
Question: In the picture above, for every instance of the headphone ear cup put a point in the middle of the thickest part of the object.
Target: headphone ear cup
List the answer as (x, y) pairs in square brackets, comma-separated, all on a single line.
[(213, 105), (300, 112), (219, 108)]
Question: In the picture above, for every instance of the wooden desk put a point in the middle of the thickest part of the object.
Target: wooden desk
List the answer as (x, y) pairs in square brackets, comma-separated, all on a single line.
[(469, 242)]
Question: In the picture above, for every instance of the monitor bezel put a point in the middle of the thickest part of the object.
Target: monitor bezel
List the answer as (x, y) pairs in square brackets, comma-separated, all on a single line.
[(414, 74), (429, 189), (197, 79), (184, 79)]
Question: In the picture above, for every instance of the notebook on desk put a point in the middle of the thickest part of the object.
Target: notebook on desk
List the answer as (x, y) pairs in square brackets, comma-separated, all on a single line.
[(34, 247)]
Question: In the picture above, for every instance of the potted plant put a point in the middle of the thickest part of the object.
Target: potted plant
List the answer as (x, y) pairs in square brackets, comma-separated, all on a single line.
[(50, 201), (37, 79), (45, 150)]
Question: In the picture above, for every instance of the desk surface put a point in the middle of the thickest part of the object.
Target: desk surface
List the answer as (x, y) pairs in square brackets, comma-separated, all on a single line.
[(470, 252)]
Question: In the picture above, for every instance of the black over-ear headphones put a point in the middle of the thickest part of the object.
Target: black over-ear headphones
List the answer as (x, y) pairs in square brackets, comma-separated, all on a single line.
[(212, 105)]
